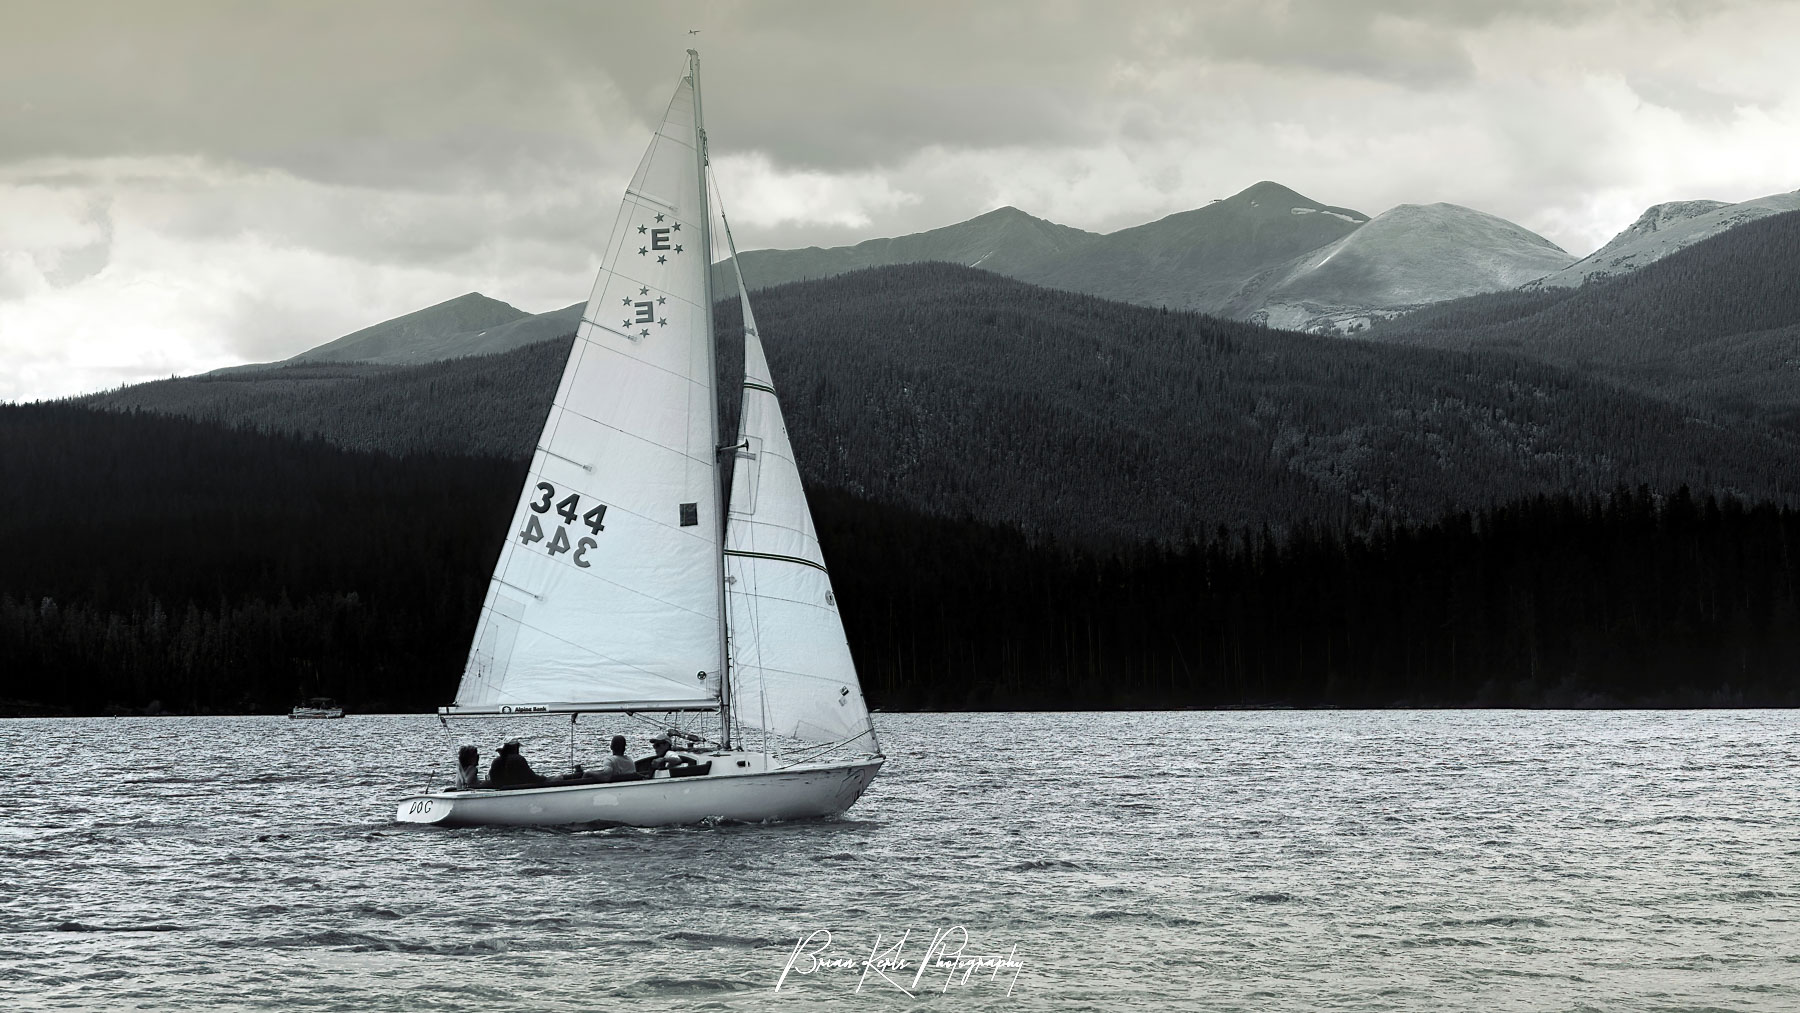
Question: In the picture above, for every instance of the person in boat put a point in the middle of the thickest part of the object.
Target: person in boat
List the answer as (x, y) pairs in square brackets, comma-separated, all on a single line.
[(468, 767), (619, 766), (664, 760), (509, 769)]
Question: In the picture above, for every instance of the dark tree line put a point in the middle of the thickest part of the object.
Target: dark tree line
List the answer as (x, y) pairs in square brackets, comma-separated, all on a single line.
[(1630, 599), (148, 558)]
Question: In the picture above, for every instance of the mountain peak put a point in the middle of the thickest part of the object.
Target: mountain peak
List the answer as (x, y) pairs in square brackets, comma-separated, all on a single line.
[(415, 336), (1662, 230), (1002, 214), (1267, 189), (1408, 254)]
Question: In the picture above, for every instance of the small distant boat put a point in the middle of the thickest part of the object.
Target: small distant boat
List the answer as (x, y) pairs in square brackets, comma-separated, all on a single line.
[(626, 588), (317, 707)]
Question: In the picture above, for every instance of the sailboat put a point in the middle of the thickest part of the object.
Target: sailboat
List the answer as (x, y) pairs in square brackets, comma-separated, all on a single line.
[(624, 588)]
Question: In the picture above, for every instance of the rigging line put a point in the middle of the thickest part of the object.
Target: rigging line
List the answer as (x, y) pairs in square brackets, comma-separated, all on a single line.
[(771, 453), (677, 451), (809, 753), (790, 601), (646, 363), (750, 516), (553, 424), (627, 588), (804, 675), (756, 598)]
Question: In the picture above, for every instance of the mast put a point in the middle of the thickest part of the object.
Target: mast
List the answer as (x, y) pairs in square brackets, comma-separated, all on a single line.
[(712, 406)]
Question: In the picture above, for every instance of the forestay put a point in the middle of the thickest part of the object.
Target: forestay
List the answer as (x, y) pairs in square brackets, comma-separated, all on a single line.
[(607, 591), (791, 668)]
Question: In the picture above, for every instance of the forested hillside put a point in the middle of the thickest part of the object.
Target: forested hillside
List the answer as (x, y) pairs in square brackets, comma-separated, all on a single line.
[(159, 562), (486, 405), (960, 394), (150, 558), (957, 393), (1717, 323)]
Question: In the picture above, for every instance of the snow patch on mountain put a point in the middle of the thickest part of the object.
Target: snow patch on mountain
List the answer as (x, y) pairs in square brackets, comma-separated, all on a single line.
[(1409, 255), (1664, 229)]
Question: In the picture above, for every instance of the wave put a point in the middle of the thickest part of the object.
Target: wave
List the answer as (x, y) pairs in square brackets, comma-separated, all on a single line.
[(1501, 921), (1044, 863), (722, 939), (363, 942), (665, 986), (87, 927)]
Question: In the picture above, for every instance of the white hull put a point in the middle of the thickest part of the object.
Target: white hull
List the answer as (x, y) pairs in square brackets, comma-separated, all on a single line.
[(314, 714), (751, 796)]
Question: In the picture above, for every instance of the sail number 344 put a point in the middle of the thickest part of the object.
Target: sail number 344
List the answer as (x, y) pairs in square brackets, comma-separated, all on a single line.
[(569, 509)]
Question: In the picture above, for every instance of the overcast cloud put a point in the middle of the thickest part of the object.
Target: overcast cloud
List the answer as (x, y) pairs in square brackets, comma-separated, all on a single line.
[(185, 185)]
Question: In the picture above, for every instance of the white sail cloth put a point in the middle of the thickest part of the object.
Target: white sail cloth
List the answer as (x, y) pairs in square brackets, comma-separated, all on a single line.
[(607, 589), (792, 674)]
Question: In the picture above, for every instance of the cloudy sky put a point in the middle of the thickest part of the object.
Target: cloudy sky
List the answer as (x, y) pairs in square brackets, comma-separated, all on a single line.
[(185, 185)]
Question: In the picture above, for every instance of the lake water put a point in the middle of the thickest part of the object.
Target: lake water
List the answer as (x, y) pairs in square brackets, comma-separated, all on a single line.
[(1214, 861)]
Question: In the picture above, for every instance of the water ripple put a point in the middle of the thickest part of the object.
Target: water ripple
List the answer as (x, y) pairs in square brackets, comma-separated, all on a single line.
[(1283, 861)]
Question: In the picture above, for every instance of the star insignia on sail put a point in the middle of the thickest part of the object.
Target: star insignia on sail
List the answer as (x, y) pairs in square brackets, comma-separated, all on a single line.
[(645, 313), (661, 240)]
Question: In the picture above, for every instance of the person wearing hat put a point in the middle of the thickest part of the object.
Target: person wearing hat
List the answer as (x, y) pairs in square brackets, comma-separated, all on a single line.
[(509, 769), (664, 759)]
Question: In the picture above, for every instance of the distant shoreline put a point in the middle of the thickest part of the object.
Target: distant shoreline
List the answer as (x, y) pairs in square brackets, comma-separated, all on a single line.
[(12, 710)]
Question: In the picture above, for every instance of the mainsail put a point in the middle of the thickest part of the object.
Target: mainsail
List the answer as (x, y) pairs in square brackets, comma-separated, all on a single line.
[(791, 668), (607, 593)]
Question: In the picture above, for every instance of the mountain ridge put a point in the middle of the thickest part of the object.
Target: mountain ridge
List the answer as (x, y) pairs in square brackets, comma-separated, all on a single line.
[(1716, 322), (958, 392), (1662, 230), (1266, 254)]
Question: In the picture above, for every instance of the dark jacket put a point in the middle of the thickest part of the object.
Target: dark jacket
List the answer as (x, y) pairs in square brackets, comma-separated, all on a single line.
[(509, 770)]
